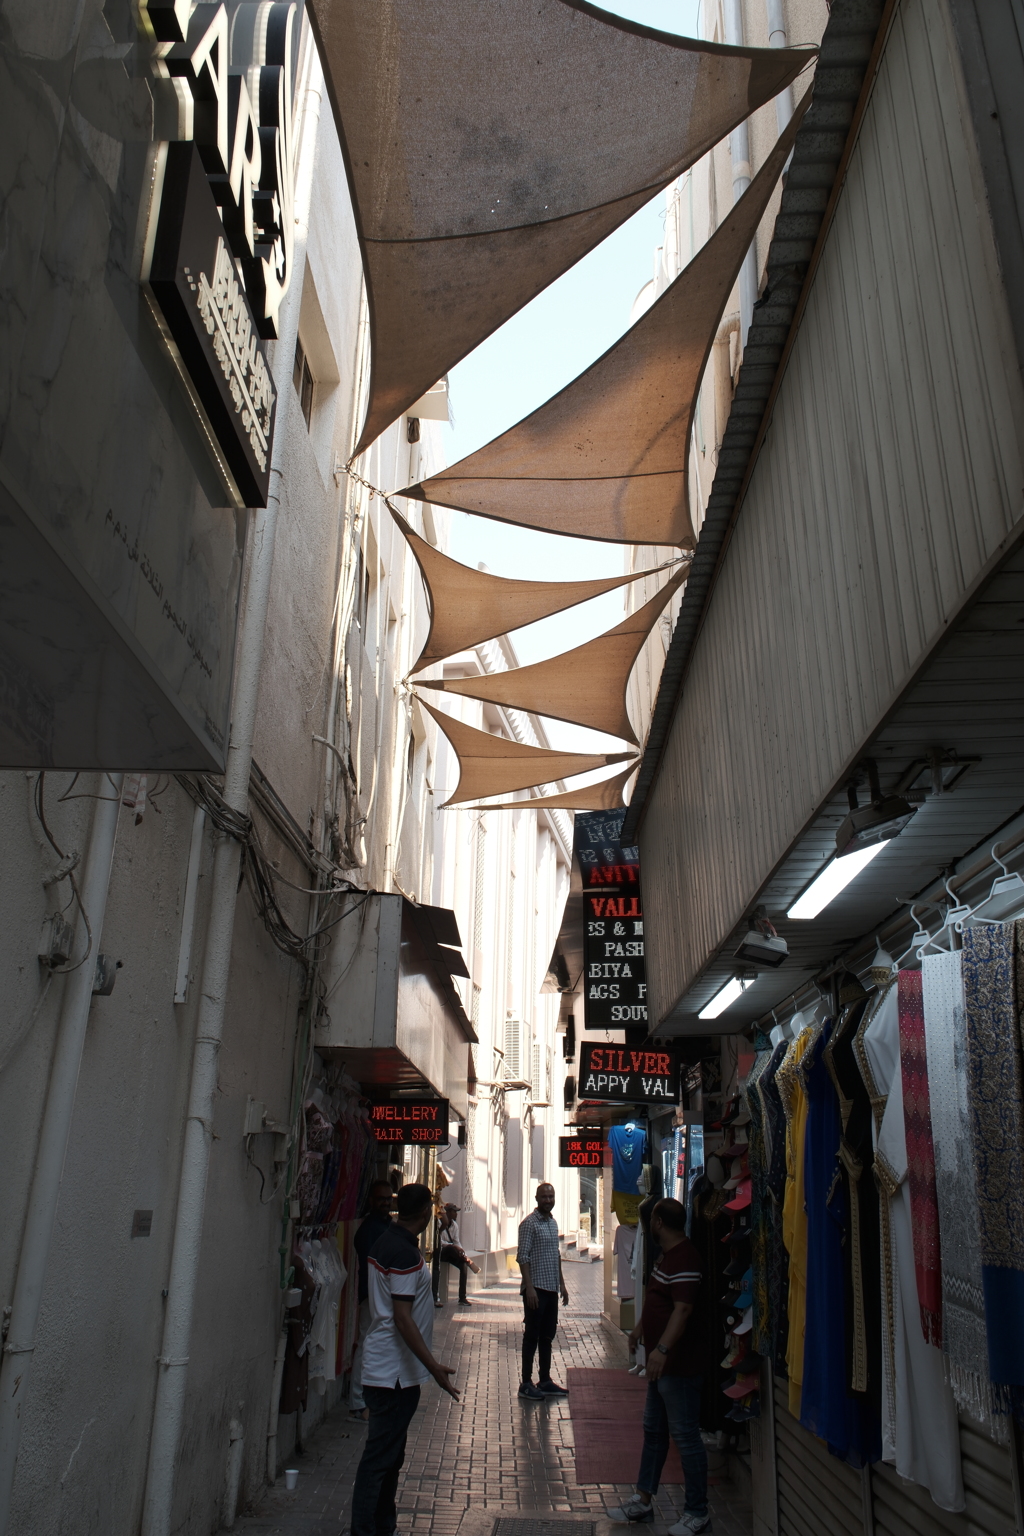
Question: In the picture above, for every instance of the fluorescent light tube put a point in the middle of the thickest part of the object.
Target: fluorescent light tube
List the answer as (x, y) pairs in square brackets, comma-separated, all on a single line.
[(835, 877), (722, 998)]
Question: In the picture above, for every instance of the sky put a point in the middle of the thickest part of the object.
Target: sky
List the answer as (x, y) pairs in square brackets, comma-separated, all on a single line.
[(531, 357)]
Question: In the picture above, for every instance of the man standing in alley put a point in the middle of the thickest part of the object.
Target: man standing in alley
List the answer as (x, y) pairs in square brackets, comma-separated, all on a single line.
[(676, 1337), (396, 1359), (372, 1227), (541, 1263)]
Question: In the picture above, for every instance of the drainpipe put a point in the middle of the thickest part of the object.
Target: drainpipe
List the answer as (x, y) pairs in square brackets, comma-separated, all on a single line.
[(53, 1142), (739, 148), (172, 1361), (777, 39)]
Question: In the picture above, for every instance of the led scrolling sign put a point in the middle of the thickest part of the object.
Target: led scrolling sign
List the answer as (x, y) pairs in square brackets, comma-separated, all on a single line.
[(615, 968), (411, 1122), (220, 248)]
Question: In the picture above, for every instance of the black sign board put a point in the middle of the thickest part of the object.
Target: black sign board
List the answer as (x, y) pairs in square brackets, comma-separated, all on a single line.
[(195, 282), (614, 971), (411, 1122), (585, 1151), (624, 1074)]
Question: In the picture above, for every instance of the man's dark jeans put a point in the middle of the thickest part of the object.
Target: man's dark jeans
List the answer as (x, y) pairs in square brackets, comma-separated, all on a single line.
[(672, 1412), (373, 1495), (539, 1325), (450, 1255)]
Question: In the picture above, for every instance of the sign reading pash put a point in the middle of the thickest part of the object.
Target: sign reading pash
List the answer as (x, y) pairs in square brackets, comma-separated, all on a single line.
[(615, 970), (622, 1074), (581, 1151), (412, 1122)]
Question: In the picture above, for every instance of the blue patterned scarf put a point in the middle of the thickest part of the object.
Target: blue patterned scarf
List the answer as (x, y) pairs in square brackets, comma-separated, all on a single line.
[(993, 970)]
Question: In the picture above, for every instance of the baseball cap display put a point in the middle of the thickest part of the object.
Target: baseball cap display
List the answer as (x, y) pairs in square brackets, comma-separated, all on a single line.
[(741, 1199)]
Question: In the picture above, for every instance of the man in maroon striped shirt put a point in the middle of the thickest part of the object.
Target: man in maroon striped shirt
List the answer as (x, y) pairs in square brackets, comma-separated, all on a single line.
[(676, 1339)]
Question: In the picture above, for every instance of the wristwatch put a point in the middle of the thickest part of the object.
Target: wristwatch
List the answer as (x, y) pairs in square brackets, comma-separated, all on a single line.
[(661, 1348)]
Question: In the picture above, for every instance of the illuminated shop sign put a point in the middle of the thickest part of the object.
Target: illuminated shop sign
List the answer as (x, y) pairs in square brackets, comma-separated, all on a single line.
[(412, 1122), (615, 969), (620, 1074), (581, 1151), (219, 253)]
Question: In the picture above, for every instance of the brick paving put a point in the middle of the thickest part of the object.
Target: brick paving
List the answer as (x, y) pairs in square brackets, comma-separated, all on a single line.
[(490, 1454)]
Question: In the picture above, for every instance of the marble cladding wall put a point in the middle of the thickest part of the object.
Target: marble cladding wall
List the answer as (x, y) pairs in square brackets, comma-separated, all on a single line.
[(110, 497)]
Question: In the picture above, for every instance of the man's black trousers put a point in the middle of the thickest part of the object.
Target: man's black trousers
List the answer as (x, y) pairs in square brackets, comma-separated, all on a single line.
[(373, 1496), (539, 1325), (450, 1255)]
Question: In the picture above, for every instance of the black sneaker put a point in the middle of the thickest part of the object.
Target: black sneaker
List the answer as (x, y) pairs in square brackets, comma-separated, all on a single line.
[(552, 1389), (527, 1389)]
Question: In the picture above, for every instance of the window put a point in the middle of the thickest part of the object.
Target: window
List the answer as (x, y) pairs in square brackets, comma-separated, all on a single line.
[(302, 378)]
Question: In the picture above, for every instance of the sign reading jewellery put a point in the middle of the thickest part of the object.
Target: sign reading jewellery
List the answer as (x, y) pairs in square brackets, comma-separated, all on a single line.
[(411, 1122), (221, 237)]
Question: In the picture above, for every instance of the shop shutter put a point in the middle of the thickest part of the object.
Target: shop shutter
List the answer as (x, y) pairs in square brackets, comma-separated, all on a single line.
[(818, 1494), (821, 1496)]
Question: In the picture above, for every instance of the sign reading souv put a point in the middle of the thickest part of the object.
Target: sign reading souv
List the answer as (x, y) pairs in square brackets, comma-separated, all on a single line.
[(220, 252), (622, 1074)]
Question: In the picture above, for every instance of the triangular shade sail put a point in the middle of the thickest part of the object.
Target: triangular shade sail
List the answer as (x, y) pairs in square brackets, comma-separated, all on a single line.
[(468, 607), (490, 144), (584, 686), (603, 796), (493, 765), (607, 457)]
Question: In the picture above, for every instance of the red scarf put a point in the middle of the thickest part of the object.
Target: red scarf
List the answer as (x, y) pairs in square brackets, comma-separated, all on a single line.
[(924, 1206)]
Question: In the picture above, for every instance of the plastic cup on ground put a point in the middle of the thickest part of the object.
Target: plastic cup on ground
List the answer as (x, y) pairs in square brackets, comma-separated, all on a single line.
[(291, 1478)]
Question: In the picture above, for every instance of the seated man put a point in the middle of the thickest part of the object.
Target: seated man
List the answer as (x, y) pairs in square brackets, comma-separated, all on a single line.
[(452, 1251)]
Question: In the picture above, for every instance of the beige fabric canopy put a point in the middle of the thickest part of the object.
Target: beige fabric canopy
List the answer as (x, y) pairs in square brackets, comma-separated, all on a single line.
[(607, 457), (490, 144), (584, 686), (493, 765), (468, 607), (603, 796)]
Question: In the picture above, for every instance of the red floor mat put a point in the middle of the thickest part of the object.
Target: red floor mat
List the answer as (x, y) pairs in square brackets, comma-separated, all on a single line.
[(607, 1409)]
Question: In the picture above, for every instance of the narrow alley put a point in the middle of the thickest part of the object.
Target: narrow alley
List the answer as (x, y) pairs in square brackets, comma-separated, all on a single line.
[(472, 1463)]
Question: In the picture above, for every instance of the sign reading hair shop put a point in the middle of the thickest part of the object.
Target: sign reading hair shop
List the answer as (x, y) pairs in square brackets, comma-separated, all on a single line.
[(615, 970), (221, 236), (622, 1074), (411, 1122), (581, 1151)]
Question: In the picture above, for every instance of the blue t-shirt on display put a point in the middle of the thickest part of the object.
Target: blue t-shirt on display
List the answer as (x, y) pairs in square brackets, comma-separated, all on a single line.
[(629, 1153)]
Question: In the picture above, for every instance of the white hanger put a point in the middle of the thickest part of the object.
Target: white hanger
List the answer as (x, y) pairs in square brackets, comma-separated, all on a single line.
[(883, 961), (1005, 898), (955, 913), (922, 935)]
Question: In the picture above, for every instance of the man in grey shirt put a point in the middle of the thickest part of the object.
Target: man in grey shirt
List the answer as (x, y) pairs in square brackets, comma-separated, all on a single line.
[(541, 1264)]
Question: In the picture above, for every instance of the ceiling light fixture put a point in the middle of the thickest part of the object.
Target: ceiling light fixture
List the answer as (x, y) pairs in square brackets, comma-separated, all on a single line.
[(723, 998), (868, 825), (827, 884)]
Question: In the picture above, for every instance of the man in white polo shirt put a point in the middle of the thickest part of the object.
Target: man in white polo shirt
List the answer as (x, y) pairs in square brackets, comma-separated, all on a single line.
[(396, 1359)]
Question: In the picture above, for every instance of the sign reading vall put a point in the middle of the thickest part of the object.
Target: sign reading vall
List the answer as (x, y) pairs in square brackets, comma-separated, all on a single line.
[(615, 971)]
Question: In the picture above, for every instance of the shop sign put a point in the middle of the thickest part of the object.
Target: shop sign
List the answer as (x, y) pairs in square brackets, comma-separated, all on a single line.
[(581, 1151), (615, 969), (411, 1122), (220, 249), (622, 1074)]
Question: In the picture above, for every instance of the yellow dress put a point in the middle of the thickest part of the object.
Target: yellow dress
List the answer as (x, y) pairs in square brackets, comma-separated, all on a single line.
[(794, 1212)]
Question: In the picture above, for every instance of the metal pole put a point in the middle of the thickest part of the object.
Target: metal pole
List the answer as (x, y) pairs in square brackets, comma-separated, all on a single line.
[(739, 149), (777, 39), (16, 1362), (172, 1361)]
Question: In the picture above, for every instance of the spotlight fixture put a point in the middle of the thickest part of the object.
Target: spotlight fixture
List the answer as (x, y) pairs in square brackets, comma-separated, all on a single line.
[(883, 817), (761, 945)]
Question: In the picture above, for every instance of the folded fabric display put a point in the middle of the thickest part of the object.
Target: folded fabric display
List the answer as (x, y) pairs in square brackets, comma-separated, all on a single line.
[(993, 974), (964, 1337)]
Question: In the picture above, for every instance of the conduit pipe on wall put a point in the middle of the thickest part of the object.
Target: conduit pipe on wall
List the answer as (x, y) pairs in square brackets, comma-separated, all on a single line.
[(172, 1361), (777, 39), (739, 149), (53, 1139)]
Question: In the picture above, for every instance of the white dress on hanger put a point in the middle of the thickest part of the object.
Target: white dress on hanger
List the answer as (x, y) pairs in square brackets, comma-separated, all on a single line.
[(924, 1439)]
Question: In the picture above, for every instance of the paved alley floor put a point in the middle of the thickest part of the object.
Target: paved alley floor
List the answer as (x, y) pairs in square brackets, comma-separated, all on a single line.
[(491, 1454)]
